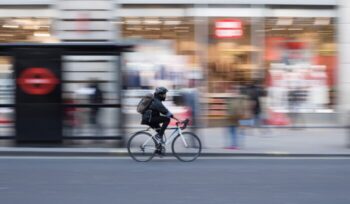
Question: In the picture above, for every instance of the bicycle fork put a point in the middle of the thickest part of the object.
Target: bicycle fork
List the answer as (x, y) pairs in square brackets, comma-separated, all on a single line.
[(182, 137)]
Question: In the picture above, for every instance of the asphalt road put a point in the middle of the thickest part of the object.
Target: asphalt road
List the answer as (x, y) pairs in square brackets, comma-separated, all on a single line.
[(212, 181)]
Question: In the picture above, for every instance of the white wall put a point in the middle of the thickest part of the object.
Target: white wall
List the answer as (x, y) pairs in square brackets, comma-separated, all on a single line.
[(272, 2), (343, 95)]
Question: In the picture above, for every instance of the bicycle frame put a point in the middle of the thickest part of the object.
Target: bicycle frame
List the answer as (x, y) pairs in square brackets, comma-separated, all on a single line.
[(177, 130)]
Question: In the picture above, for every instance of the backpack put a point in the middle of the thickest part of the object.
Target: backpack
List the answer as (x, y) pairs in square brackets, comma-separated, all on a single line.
[(238, 108), (144, 103)]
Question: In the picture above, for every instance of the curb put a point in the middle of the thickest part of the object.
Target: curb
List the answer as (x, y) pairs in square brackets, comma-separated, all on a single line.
[(125, 154)]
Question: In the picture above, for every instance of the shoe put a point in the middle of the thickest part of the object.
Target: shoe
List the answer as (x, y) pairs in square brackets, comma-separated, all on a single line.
[(232, 147), (159, 150)]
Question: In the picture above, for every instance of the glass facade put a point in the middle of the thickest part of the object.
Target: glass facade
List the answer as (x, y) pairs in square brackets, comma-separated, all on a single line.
[(293, 57)]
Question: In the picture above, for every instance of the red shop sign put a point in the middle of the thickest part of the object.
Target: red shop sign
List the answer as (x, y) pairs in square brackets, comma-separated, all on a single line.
[(37, 81), (228, 28)]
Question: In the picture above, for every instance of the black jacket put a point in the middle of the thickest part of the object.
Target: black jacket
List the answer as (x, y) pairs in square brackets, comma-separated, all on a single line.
[(254, 93), (158, 108)]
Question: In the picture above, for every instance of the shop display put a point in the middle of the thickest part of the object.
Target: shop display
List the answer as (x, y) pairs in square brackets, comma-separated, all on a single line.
[(297, 89), (296, 83), (288, 56), (148, 68)]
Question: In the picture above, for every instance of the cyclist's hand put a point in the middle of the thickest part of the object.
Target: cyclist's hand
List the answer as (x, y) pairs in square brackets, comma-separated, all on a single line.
[(176, 119)]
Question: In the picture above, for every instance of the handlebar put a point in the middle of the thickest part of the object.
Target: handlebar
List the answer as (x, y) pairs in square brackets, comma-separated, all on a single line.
[(184, 123)]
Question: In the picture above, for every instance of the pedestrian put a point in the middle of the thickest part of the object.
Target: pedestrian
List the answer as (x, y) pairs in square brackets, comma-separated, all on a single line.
[(238, 109), (70, 121), (254, 92), (190, 99), (95, 98)]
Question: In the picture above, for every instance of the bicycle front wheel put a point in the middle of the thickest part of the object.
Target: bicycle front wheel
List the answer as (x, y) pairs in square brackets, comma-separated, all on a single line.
[(141, 147), (186, 147)]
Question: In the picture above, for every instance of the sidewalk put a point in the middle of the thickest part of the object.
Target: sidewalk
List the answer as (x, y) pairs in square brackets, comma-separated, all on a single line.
[(282, 141), (256, 142)]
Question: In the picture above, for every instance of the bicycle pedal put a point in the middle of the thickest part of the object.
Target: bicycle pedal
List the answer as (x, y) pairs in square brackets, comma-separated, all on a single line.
[(160, 152)]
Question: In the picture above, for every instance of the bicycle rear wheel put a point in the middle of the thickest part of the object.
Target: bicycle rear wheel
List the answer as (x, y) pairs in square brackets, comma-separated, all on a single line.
[(187, 147), (141, 147)]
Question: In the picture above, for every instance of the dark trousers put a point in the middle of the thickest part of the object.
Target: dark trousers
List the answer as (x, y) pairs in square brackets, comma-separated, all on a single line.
[(156, 120), (234, 136)]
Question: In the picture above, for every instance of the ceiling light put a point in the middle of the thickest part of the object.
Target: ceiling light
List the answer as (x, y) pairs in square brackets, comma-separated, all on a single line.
[(135, 28), (133, 22), (181, 27), (10, 26), (172, 22), (31, 27), (295, 29), (284, 21), (23, 21), (322, 21), (278, 29), (152, 22), (152, 28), (262, 31), (37, 34)]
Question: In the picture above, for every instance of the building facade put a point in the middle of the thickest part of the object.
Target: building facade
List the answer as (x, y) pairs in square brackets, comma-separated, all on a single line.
[(296, 50)]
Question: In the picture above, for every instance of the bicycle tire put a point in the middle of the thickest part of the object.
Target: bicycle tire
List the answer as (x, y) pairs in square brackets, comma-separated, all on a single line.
[(182, 153), (131, 145)]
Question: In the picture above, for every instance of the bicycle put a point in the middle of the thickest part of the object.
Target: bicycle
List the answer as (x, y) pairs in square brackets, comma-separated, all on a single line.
[(185, 146)]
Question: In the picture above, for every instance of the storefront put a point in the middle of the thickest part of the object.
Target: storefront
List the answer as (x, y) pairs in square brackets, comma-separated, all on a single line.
[(165, 56), (294, 59), (30, 29), (291, 52), (166, 47), (300, 54), (17, 29)]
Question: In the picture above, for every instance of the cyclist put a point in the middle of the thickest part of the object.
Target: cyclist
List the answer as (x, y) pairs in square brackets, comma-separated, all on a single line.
[(159, 113)]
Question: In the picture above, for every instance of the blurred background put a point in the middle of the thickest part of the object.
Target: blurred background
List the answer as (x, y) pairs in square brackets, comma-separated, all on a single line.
[(286, 59)]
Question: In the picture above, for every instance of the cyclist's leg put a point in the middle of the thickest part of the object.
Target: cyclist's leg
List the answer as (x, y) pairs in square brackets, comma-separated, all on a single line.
[(155, 126), (165, 122)]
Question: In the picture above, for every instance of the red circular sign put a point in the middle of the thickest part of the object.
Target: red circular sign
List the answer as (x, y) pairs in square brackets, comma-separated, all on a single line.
[(37, 81)]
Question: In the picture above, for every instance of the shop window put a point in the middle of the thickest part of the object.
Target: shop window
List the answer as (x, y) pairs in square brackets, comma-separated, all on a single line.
[(26, 30), (7, 96), (165, 56), (92, 81), (301, 61)]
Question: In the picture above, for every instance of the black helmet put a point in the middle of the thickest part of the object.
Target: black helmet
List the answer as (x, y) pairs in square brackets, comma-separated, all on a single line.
[(160, 93)]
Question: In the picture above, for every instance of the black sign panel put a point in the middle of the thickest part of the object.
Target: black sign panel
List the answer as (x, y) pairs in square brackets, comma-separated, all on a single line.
[(38, 95)]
